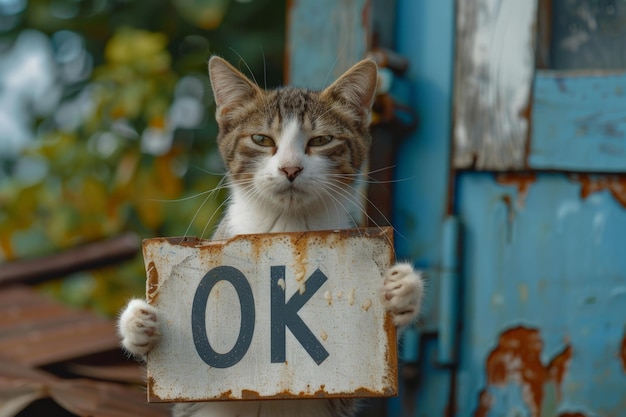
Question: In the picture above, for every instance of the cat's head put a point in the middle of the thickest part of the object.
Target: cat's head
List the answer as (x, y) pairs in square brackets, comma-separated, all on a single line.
[(289, 147)]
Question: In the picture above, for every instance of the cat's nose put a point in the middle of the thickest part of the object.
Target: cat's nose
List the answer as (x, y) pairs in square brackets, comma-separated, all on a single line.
[(291, 172)]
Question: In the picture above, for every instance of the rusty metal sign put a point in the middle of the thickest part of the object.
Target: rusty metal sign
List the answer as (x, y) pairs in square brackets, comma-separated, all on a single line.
[(287, 315)]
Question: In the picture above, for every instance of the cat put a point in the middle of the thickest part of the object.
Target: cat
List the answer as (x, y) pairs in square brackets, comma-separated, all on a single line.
[(294, 158)]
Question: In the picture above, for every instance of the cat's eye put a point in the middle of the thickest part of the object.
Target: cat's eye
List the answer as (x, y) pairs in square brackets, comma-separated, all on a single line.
[(263, 140), (320, 140)]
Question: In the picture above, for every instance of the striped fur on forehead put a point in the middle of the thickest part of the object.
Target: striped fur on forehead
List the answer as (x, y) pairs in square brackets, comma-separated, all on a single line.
[(342, 111), (316, 116)]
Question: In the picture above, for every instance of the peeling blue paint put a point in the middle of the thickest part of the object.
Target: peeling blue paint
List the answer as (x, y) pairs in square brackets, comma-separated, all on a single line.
[(574, 272)]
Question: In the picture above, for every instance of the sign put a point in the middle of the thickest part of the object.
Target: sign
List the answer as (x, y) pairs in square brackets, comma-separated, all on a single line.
[(286, 315)]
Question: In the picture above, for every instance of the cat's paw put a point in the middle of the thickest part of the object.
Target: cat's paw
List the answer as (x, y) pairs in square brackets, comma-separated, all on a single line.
[(402, 293), (138, 327)]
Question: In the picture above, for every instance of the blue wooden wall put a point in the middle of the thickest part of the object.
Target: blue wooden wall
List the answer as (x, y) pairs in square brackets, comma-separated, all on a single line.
[(527, 316), (544, 297), (579, 122)]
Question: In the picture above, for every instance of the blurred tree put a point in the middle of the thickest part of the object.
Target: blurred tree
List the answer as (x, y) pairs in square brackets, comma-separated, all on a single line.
[(109, 123)]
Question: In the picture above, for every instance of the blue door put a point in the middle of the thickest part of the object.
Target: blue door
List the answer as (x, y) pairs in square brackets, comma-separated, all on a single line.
[(537, 188)]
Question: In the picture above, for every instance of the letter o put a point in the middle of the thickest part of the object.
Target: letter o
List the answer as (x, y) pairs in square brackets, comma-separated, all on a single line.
[(198, 313)]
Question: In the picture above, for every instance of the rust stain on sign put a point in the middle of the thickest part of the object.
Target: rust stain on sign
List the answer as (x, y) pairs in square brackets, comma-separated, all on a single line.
[(517, 359), (152, 282), (271, 316)]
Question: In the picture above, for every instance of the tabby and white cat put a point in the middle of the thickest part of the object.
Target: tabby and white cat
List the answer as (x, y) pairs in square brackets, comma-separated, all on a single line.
[(293, 158)]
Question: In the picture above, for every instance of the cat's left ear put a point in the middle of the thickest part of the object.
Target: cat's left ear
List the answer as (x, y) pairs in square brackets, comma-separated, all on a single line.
[(356, 88), (231, 88)]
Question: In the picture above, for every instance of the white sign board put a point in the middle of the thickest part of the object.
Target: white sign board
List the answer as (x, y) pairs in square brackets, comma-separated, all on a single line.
[(287, 315)]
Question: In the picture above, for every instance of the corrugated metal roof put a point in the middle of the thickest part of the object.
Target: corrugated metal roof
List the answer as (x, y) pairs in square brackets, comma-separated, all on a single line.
[(36, 331), (21, 385)]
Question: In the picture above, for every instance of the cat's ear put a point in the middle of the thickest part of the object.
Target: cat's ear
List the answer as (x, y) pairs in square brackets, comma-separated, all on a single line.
[(231, 88), (356, 88)]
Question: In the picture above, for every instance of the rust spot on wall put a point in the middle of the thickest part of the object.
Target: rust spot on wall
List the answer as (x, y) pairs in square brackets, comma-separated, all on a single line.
[(506, 199), (485, 401), (521, 180), (517, 360), (558, 366), (590, 184), (623, 353)]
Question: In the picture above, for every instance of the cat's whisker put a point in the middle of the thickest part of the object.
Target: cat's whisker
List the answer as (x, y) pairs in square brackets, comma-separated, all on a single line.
[(356, 204), (338, 202), (215, 212), (264, 67), (341, 190), (375, 225), (193, 219), (220, 186), (206, 171), (246, 64), (191, 197), (367, 178), (224, 183), (324, 202), (332, 68), (364, 211), (263, 95), (338, 186), (376, 171)]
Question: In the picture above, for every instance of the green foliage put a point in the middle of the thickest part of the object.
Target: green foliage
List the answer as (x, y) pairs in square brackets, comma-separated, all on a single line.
[(139, 156)]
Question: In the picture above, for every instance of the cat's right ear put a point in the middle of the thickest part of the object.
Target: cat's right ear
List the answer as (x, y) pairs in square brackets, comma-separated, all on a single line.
[(231, 88), (357, 89)]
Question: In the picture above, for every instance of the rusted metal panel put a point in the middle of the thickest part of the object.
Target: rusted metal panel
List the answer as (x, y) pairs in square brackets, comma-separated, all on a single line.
[(518, 360), (545, 290), (289, 315), (493, 81)]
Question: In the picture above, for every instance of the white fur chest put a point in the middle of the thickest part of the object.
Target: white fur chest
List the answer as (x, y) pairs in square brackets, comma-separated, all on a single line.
[(245, 217)]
